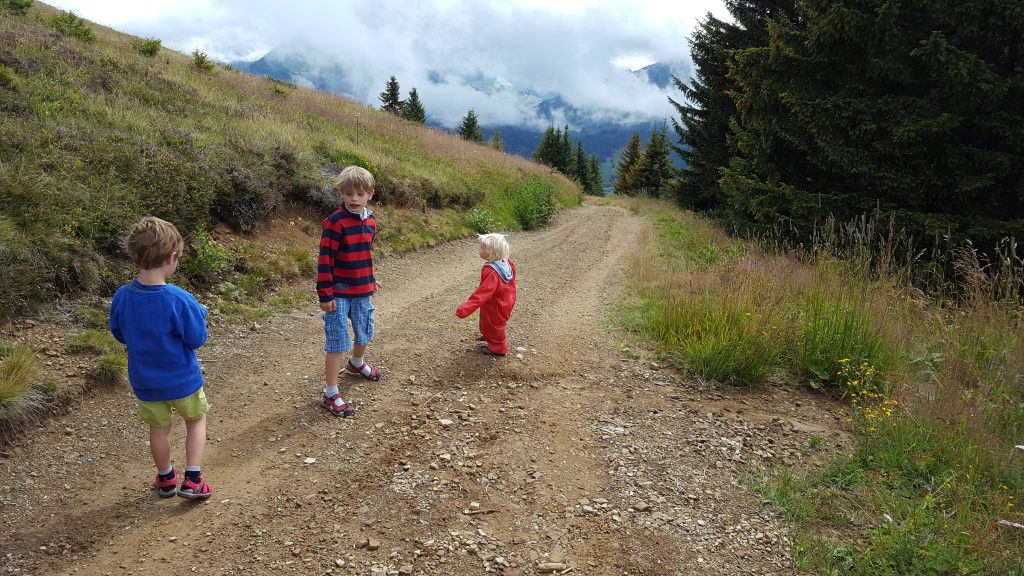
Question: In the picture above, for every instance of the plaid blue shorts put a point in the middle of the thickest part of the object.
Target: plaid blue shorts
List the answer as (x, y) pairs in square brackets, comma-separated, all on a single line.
[(357, 310)]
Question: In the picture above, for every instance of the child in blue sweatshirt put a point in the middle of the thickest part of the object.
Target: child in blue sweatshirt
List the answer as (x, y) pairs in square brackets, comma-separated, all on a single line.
[(161, 326)]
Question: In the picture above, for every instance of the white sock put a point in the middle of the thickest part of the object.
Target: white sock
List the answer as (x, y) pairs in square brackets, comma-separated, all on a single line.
[(357, 361), (330, 391), (166, 472), (193, 469)]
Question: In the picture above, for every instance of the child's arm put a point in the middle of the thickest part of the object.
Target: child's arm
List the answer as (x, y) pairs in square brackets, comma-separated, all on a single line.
[(488, 285), (329, 239), (193, 323), (115, 320)]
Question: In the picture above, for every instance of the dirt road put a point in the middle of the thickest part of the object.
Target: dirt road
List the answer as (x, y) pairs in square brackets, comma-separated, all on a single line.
[(565, 457)]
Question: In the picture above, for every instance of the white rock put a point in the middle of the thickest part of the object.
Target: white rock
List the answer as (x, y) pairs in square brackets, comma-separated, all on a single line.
[(309, 461), (445, 422)]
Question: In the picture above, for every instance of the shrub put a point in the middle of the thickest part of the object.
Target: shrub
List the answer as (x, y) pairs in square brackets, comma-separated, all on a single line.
[(70, 25), (533, 206), (201, 61), (251, 197), (149, 46), (481, 221), (16, 7), (208, 261)]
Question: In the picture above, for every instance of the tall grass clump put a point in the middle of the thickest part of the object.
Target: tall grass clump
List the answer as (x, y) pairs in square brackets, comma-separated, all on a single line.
[(111, 369), (22, 390), (834, 324)]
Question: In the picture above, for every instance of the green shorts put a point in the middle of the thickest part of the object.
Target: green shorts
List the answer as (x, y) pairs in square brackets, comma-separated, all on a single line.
[(158, 414)]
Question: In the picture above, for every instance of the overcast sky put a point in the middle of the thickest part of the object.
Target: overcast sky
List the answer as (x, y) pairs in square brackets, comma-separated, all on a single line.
[(583, 50)]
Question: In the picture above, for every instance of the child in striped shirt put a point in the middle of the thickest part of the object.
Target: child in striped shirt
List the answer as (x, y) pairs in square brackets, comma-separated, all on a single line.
[(345, 285)]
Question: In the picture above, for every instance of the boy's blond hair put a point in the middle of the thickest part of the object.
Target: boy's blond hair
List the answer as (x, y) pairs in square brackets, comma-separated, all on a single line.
[(151, 241), (495, 245), (355, 177)]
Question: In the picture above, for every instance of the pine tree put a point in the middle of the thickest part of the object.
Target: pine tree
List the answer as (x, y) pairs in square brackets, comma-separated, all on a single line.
[(496, 141), (654, 170), (412, 108), (580, 165), (709, 107), (547, 150), (390, 98), (594, 177), (469, 128), (625, 170), (883, 108), (567, 159)]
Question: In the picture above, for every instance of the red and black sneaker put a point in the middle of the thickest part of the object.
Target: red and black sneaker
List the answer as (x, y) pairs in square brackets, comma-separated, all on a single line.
[(335, 405), (167, 487), (367, 370), (195, 490)]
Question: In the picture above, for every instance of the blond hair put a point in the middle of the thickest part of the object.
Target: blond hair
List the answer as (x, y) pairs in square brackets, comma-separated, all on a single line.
[(355, 177), (495, 246), (151, 241)]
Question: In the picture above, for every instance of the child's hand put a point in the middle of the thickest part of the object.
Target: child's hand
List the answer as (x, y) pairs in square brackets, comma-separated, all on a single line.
[(328, 306)]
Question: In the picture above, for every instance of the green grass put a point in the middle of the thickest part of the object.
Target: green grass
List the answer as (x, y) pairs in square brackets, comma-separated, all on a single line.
[(23, 390), (98, 134), (98, 341), (934, 385), (111, 369)]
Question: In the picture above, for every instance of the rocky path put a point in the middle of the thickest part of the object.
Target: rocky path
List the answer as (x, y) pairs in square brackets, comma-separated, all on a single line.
[(563, 458)]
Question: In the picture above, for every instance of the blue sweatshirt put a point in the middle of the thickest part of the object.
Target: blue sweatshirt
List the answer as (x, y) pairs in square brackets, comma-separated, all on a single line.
[(161, 326)]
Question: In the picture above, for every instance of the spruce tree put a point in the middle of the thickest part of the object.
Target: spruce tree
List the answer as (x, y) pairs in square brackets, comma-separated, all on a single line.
[(567, 165), (654, 170), (625, 170), (595, 180), (874, 107), (390, 98), (496, 141), (412, 108), (469, 128), (547, 150), (580, 165), (708, 107)]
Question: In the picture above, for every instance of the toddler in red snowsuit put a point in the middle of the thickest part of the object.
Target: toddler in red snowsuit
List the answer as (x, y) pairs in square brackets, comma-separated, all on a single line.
[(496, 295)]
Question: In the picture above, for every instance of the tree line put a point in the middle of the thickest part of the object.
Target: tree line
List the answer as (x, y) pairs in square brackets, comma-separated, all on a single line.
[(555, 148), (803, 109)]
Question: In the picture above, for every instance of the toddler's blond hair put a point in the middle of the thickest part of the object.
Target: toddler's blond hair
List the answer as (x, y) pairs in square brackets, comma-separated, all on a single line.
[(495, 246)]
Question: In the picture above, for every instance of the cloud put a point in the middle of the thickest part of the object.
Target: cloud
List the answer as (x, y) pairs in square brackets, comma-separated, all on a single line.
[(572, 48)]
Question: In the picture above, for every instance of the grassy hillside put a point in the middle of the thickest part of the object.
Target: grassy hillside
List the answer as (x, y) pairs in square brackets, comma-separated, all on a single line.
[(99, 127)]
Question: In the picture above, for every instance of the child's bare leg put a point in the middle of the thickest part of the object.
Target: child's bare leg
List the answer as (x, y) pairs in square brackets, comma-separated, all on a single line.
[(332, 365), (359, 350), (160, 446), (195, 441)]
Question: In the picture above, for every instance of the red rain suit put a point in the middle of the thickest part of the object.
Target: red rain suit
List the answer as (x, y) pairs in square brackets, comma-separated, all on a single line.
[(495, 298)]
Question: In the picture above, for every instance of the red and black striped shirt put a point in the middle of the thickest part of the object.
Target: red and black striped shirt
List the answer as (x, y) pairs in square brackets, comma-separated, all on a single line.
[(344, 268)]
